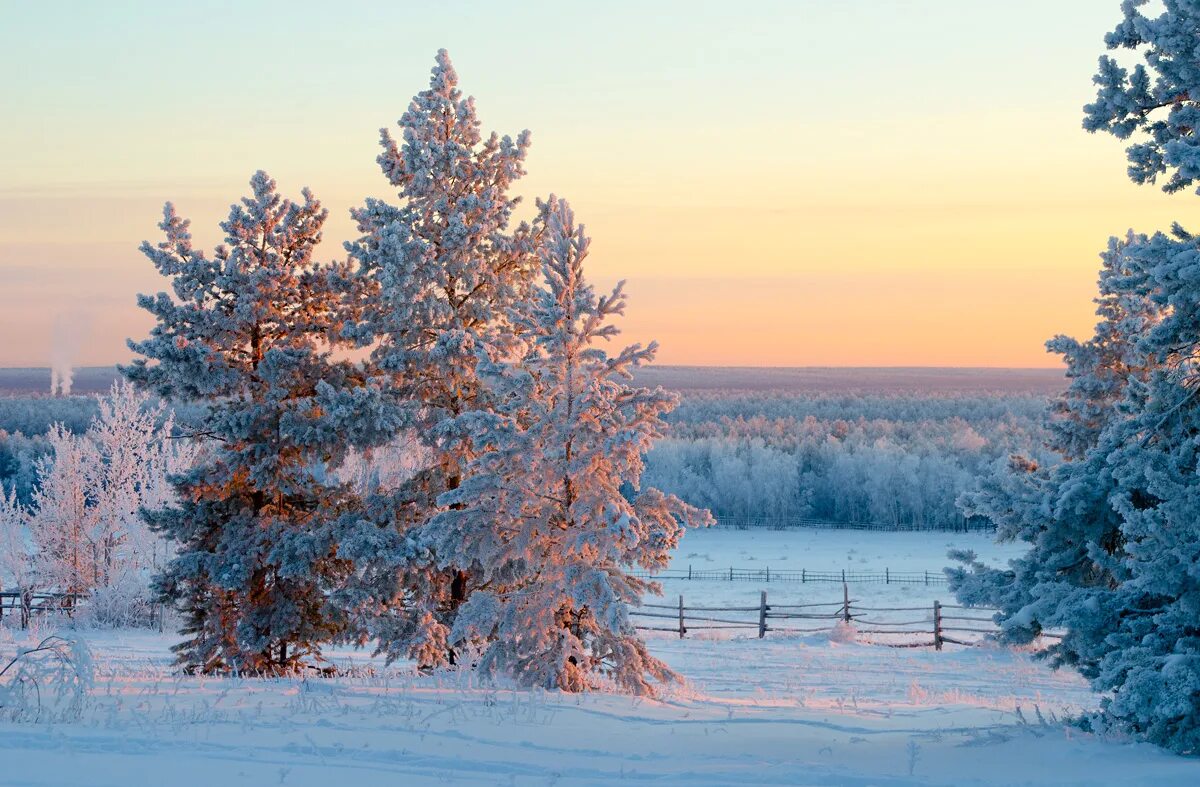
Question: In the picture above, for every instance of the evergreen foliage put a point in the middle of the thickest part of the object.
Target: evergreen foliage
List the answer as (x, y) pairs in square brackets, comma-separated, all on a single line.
[(1158, 99), (445, 271), (540, 517), (1114, 530), (249, 333)]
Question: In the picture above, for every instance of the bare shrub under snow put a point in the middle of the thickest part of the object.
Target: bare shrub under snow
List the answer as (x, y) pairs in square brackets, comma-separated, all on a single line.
[(46, 682)]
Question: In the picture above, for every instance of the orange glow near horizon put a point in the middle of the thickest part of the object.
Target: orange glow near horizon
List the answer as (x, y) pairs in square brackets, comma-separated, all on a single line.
[(935, 204)]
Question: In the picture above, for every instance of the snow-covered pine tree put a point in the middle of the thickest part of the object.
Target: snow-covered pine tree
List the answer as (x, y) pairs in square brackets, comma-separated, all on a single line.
[(1063, 509), (540, 516), (446, 270), (249, 334), (1114, 530)]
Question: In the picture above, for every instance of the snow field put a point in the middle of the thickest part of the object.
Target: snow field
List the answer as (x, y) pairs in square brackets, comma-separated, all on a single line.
[(782, 711)]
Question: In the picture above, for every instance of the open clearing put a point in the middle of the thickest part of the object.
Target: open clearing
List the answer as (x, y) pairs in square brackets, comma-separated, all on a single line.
[(784, 710)]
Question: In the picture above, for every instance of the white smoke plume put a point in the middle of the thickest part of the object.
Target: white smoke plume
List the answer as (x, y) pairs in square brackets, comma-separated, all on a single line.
[(67, 335)]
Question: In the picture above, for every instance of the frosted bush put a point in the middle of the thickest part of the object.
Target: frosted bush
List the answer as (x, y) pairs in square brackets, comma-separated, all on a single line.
[(125, 603)]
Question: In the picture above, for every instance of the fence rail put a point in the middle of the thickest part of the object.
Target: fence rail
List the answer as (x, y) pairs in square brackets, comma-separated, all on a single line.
[(841, 576), (897, 627), (29, 603)]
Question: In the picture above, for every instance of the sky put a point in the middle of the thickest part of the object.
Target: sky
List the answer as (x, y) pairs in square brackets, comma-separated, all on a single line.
[(851, 183)]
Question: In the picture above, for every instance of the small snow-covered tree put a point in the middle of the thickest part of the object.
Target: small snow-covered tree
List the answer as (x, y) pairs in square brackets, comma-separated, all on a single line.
[(446, 269), (16, 559), (249, 334), (64, 523), (83, 519), (135, 452), (540, 518)]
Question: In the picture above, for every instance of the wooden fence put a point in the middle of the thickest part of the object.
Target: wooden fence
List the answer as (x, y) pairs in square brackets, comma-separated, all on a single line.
[(26, 605), (897, 627), (842, 576)]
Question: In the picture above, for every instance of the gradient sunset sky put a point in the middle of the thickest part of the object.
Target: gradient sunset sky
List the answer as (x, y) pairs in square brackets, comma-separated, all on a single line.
[(854, 183)]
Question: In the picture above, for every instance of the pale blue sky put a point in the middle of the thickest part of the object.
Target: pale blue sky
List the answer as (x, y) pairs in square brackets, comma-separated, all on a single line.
[(832, 182)]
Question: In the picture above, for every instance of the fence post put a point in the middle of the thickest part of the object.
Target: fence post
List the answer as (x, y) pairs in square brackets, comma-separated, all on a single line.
[(843, 576), (845, 602), (768, 574), (802, 577), (26, 607), (762, 615), (731, 573), (937, 625), (682, 630), (689, 570), (926, 577), (887, 576)]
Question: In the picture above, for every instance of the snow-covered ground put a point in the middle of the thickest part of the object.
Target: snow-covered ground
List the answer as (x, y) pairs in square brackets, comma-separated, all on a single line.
[(783, 710)]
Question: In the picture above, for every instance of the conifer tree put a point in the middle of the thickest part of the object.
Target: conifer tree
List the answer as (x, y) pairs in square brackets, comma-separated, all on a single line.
[(248, 334), (1157, 102), (540, 515), (445, 271), (1114, 529)]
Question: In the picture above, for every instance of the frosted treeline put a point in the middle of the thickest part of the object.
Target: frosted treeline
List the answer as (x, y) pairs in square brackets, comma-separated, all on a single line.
[(900, 460), (26, 422), (81, 531)]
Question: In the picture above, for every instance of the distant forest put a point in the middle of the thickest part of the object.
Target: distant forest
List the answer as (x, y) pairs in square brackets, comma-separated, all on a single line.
[(893, 447)]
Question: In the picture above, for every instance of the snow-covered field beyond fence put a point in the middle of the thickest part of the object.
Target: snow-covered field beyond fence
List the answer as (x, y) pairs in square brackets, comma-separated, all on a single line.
[(783, 710)]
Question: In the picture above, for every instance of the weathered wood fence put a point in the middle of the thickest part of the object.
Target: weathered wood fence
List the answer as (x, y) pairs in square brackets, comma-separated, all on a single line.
[(23, 606), (840, 576), (897, 627), (29, 603)]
